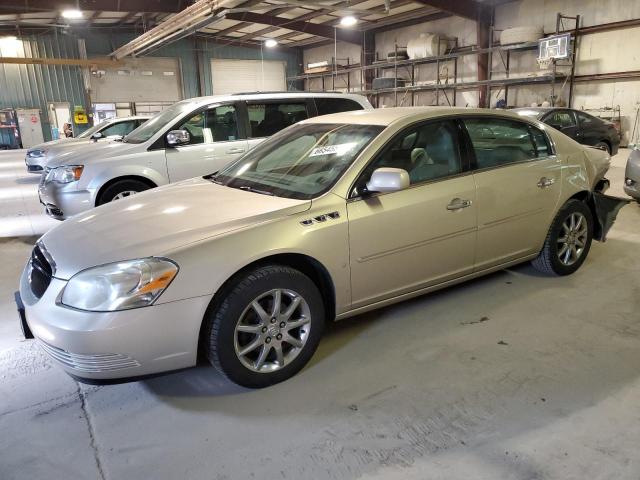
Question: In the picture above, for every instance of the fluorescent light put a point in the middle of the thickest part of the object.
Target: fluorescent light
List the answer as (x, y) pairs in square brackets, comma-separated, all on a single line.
[(348, 21), (72, 14), (270, 43)]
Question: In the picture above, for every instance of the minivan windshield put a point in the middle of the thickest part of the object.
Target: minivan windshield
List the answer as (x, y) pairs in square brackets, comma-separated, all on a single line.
[(301, 162), (87, 133), (152, 126)]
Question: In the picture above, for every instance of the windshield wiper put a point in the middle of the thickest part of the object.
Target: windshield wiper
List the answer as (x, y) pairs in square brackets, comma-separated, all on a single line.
[(255, 190)]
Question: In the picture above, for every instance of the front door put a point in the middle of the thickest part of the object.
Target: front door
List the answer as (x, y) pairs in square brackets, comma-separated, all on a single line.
[(406, 240), (214, 143), (518, 181)]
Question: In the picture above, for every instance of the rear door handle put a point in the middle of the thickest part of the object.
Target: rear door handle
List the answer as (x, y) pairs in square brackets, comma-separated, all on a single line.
[(458, 204), (546, 182), (233, 151)]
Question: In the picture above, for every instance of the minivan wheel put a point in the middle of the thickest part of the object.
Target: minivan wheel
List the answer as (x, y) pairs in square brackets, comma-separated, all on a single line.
[(266, 328), (121, 189), (568, 241)]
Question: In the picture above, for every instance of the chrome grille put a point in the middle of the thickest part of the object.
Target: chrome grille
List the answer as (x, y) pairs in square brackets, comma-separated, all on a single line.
[(105, 362)]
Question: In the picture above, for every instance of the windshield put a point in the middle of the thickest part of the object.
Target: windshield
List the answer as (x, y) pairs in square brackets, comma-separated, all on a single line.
[(302, 162), (94, 129), (152, 126)]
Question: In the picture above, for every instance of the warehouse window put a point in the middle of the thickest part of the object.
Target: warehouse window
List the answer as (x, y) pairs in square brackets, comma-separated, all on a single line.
[(498, 142), (326, 106), (269, 118), (214, 125)]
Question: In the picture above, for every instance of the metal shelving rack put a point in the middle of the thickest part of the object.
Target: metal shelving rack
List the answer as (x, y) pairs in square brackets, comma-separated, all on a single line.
[(506, 52)]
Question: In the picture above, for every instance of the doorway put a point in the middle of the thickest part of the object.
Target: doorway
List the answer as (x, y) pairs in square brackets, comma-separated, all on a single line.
[(59, 115)]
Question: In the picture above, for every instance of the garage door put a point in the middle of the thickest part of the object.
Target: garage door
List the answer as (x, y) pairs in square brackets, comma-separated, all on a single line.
[(138, 80), (234, 76)]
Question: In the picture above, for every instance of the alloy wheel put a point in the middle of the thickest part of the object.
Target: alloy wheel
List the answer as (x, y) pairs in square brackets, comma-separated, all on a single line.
[(124, 194), (572, 239), (272, 330)]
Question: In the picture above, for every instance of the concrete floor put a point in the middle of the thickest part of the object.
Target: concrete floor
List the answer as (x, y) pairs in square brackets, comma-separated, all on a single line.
[(512, 376)]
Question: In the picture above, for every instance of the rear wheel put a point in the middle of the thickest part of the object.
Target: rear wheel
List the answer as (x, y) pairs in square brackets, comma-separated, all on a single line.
[(266, 328), (121, 189), (568, 241)]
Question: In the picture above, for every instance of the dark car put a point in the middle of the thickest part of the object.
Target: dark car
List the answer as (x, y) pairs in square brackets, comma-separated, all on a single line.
[(582, 127)]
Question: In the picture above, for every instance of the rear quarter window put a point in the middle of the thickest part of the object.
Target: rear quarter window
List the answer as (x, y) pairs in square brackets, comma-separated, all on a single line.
[(326, 106)]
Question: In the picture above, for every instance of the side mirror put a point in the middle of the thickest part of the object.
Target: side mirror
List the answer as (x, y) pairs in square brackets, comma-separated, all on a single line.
[(176, 138), (388, 180), (96, 136)]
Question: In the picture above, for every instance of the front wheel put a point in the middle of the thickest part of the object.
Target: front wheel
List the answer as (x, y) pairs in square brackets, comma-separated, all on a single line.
[(568, 241), (121, 189), (266, 328)]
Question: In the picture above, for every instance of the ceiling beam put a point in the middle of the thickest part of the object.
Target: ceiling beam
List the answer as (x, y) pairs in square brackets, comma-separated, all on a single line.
[(350, 36), (97, 62), (470, 9), (35, 6)]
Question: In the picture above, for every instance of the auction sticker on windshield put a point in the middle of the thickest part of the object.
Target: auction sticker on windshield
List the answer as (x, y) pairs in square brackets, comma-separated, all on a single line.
[(339, 150)]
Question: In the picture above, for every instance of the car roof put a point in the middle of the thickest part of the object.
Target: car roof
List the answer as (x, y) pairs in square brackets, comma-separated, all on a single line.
[(273, 95), (388, 116), (124, 119)]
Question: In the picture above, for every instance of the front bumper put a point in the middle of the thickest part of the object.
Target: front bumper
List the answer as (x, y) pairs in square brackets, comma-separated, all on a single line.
[(63, 200), (114, 345), (632, 189), (35, 164)]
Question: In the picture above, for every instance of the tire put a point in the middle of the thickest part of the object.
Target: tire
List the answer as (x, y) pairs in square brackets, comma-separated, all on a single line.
[(603, 146), (553, 257), (224, 343), (120, 188)]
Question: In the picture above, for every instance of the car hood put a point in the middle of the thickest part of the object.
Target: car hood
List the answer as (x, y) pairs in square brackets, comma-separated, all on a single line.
[(55, 143), (81, 152), (158, 221)]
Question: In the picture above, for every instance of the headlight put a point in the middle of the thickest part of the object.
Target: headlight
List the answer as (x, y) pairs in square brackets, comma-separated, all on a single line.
[(119, 286), (65, 174), (38, 153)]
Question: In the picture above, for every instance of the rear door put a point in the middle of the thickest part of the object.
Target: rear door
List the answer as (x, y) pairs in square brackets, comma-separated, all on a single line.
[(267, 117), (215, 141), (329, 105), (518, 181), (592, 130)]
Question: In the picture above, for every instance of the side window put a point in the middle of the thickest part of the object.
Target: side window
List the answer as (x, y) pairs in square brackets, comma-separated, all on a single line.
[(269, 118), (541, 142), (561, 120), (586, 120), (498, 142), (427, 152), (121, 128), (326, 106), (214, 125)]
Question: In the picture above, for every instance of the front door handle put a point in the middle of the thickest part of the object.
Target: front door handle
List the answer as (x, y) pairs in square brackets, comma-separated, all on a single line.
[(546, 182), (233, 151), (458, 204)]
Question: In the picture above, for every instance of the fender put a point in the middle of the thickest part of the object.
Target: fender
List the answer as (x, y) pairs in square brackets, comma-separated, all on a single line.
[(108, 174)]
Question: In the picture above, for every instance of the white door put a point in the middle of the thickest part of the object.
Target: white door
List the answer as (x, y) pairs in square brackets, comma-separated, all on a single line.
[(235, 76), (30, 127), (213, 144)]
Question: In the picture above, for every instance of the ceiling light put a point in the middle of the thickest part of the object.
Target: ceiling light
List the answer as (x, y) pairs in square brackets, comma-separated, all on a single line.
[(348, 21), (270, 43), (72, 14), (10, 38)]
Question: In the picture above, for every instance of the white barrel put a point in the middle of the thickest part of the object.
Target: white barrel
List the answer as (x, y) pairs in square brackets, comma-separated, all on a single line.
[(426, 45), (520, 35)]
